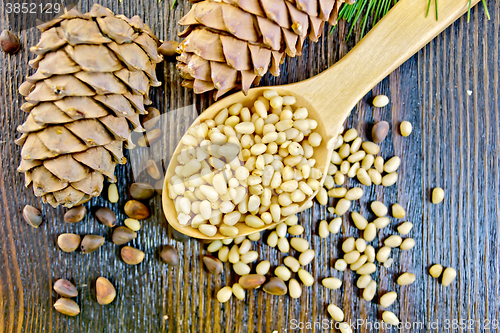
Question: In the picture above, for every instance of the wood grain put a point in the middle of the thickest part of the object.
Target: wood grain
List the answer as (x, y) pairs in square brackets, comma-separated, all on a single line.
[(455, 144)]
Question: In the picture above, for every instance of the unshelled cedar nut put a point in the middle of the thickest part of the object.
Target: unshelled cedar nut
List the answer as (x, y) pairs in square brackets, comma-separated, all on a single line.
[(90, 243), (136, 210), (106, 216), (75, 214), (65, 288), (141, 191), (32, 216), (9, 42), (380, 131), (68, 242), (169, 255), (122, 235), (275, 286), (251, 281), (132, 256), (67, 306), (213, 265), (105, 291)]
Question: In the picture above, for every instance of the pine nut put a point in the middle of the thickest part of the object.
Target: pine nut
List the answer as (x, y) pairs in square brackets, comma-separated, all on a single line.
[(339, 178), (407, 244), (370, 232), (335, 312), (360, 245), (294, 288), (323, 229), (359, 221), (383, 254), (224, 294), (370, 253), (375, 176), (283, 273), (363, 177), (249, 257), (292, 263), (390, 179), (238, 291), (356, 157), (398, 211), (241, 268), (367, 162), (353, 170), (344, 150), (393, 241), (334, 225), (437, 195), (228, 231), (340, 265), (234, 255), (351, 257), (350, 135), (306, 277), (363, 281), (359, 263), (405, 127), (292, 220), (254, 221), (208, 230), (354, 193), (299, 244), (322, 196), (348, 245), (380, 101), (113, 193), (390, 318), (281, 230), (381, 222), (342, 207), (371, 148), (379, 164), (223, 254), (369, 291), (405, 228), (380, 131), (406, 279), (344, 167), (263, 267), (387, 299), (132, 224), (392, 164), (214, 246), (306, 257), (283, 245), (436, 270), (367, 268), (449, 275), (379, 208), (355, 145), (338, 192), (331, 283)]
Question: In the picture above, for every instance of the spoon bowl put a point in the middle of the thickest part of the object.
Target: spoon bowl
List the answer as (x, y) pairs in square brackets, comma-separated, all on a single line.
[(330, 96)]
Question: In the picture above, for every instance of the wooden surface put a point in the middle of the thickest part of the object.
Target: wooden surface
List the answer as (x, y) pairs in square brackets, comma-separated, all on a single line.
[(455, 144)]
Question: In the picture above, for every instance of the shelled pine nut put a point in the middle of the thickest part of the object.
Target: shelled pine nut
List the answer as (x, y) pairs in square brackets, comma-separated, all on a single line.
[(449, 275), (331, 283), (388, 298), (436, 270), (406, 279)]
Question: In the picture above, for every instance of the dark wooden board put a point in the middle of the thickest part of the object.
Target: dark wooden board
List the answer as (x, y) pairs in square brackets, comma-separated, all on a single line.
[(455, 144)]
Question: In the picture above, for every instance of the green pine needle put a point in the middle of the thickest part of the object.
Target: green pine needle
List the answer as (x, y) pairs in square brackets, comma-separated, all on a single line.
[(173, 5), (363, 11)]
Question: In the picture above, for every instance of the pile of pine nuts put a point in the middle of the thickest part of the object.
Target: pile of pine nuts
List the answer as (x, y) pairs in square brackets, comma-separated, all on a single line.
[(253, 165)]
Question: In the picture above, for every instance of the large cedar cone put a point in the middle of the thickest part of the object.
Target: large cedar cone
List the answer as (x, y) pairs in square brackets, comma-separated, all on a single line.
[(93, 75), (233, 43)]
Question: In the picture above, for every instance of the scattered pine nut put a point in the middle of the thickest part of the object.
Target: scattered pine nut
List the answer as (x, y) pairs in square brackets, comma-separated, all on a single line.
[(335, 225), (379, 208), (331, 283), (336, 313), (369, 291), (113, 193), (224, 294), (407, 244), (380, 101), (294, 288), (405, 228), (363, 281), (390, 318), (398, 211), (405, 127), (437, 195), (449, 275), (406, 279), (387, 299), (323, 229), (436, 270)]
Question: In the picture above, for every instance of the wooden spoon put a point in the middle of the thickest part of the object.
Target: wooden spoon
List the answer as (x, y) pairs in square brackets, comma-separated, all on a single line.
[(331, 95)]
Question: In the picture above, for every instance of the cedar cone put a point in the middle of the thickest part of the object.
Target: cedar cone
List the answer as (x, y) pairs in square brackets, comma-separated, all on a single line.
[(233, 43), (93, 73)]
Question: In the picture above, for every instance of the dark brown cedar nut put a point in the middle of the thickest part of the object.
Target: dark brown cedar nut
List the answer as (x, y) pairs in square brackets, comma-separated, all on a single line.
[(68, 242), (149, 138), (75, 214), (213, 265), (178, 236), (67, 306), (105, 291), (131, 256), (153, 170), (169, 255), (169, 48), (32, 216), (122, 235), (275, 286), (151, 119), (251, 281), (380, 131), (141, 191), (136, 210), (90, 243), (106, 216), (9, 42), (65, 288)]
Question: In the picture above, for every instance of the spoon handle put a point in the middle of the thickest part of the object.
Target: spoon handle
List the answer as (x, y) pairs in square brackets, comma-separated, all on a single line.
[(397, 37)]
